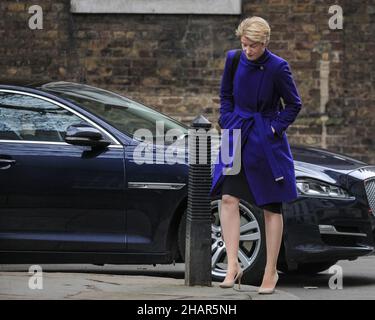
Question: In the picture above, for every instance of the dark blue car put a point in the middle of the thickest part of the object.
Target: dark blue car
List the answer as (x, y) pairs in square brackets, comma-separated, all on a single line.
[(72, 191)]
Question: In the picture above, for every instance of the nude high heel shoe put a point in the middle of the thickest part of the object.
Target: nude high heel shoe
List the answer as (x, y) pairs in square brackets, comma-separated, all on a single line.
[(269, 290), (230, 283)]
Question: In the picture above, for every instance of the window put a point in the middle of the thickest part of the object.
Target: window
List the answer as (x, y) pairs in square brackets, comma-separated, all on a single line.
[(24, 117), (122, 113), (226, 7)]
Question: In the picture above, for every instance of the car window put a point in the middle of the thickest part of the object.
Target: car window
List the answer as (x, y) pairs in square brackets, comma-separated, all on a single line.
[(124, 114), (29, 118)]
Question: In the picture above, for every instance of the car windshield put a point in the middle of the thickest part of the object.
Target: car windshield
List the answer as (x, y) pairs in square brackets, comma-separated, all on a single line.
[(122, 113)]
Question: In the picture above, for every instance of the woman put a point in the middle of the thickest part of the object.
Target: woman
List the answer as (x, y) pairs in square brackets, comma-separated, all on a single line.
[(250, 101)]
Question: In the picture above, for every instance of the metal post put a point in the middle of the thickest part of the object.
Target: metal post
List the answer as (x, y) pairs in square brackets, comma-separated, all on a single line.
[(198, 223)]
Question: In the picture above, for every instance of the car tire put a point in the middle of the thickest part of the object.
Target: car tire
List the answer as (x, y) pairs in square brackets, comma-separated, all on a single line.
[(253, 273), (308, 268), (181, 238)]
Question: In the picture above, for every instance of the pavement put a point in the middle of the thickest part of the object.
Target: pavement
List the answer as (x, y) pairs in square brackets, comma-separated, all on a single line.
[(77, 285), (166, 282)]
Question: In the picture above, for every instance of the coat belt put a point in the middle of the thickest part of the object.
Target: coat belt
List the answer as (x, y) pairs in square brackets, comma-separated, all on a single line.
[(256, 118)]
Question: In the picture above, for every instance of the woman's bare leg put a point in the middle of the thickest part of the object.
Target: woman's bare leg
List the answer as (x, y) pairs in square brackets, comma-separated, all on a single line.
[(274, 233), (230, 226)]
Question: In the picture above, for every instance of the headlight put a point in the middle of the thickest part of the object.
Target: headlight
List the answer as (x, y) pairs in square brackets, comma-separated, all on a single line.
[(321, 189)]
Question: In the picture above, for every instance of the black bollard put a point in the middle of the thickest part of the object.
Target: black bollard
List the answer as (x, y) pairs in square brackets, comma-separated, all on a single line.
[(198, 223)]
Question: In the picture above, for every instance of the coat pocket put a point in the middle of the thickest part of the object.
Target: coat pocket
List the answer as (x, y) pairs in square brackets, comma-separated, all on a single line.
[(270, 132), (273, 137)]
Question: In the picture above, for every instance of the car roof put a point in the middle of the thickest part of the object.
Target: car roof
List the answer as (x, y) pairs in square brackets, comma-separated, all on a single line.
[(24, 83), (43, 85)]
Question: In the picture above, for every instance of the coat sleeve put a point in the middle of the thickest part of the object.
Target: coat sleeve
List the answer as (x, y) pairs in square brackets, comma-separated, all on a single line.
[(287, 90), (226, 90)]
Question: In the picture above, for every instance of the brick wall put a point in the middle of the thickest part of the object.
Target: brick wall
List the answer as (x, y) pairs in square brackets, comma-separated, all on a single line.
[(174, 62)]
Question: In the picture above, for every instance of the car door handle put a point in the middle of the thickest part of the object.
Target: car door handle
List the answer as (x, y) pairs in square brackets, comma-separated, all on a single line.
[(7, 163)]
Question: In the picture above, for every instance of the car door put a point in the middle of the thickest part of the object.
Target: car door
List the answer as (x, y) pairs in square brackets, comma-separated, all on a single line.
[(55, 196), (155, 192)]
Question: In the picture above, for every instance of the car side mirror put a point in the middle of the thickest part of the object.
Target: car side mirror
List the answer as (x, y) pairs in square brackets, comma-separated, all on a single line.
[(85, 135)]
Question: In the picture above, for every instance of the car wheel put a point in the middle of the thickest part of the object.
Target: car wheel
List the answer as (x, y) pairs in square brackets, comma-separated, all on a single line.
[(181, 239), (252, 246), (308, 268)]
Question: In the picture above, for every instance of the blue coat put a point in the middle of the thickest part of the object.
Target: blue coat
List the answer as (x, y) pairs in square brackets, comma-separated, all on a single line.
[(251, 102)]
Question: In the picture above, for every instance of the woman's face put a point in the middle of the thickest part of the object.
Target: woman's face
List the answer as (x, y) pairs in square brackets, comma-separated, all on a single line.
[(252, 49)]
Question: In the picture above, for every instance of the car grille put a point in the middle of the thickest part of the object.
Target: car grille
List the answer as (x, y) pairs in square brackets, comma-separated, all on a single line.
[(370, 191)]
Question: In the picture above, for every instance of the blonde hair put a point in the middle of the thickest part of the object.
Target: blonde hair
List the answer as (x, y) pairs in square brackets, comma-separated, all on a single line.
[(255, 29)]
